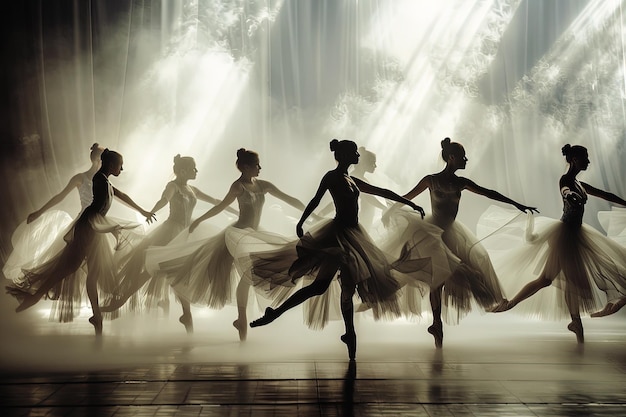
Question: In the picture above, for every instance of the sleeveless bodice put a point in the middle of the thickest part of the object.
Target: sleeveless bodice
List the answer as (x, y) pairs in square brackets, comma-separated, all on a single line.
[(250, 208), (182, 204), (85, 191), (573, 212), (346, 198), (444, 200), (102, 194)]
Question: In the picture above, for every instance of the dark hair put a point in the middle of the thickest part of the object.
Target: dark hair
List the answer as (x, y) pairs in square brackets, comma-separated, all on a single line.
[(341, 146), (570, 151), (246, 157), (182, 162), (366, 154), (109, 157), (96, 151), (450, 148)]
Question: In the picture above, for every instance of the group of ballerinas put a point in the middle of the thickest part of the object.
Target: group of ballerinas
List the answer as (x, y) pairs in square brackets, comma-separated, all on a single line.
[(434, 254)]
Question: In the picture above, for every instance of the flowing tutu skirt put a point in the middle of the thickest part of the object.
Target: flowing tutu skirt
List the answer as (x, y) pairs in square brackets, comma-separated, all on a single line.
[(91, 238), (360, 262), (581, 263), (614, 224), (457, 261)]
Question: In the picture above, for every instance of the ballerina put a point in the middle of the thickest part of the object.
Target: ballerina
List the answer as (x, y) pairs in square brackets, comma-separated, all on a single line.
[(573, 256), (201, 272), (461, 268), (29, 248), (340, 244), (181, 198), (86, 240)]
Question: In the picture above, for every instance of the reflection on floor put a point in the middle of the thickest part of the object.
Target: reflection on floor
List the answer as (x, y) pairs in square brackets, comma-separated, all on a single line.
[(491, 365)]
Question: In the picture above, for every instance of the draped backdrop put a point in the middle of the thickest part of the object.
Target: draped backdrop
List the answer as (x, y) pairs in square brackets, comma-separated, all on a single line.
[(512, 80)]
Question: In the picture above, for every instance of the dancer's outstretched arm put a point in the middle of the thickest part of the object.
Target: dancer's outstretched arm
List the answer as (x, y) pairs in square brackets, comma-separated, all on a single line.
[(235, 191), (315, 201), (605, 195), (494, 195), (292, 201), (208, 199), (385, 193), (150, 217), (74, 182)]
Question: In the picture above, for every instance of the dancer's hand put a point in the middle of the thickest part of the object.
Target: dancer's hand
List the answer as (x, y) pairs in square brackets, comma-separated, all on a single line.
[(527, 209), (33, 216), (418, 209), (150, 217), (299, 230)]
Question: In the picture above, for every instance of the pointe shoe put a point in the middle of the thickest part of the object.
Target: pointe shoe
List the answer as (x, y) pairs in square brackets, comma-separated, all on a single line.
[(437, 331), (242, 328), (26, 303), (350, 340), (503, 305), (97, 324), (576, 327), (269, 316), (187, 321)]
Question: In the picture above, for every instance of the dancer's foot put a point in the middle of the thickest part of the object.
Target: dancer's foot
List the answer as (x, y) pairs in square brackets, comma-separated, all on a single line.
[(576, 326), (242, 328), (350, 340), (503, 305), (437, 331), (610, 308), (269, 316), (27, 302), (96, 322), (187, 321)]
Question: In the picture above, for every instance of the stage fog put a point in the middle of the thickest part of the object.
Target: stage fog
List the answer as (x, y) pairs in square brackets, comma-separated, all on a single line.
[(513, 81)]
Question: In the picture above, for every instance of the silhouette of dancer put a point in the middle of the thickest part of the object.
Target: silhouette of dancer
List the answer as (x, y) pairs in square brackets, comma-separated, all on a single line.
[(461, 268), (86, 240), (181, 198), (573, 256), (339, 244), (32, 239), (204, 276)]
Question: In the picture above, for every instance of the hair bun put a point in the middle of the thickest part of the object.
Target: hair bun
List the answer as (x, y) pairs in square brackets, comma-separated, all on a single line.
[(566, 149), (241, 152), (95, 146), (445, 143), (333, 144), (177, 158)]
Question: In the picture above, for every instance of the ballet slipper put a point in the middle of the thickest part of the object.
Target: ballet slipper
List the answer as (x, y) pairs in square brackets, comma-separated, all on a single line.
[(576, 327), (187, 321), (350, 340), (27, 302), (269, 316), (96, 322), (437, 331), (242, 328), (503, 305), (610, 308)]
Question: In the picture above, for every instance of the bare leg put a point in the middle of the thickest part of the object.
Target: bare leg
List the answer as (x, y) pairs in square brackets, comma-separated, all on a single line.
[(92, 293), (576, 325), (186, 319), (436, 329), (319, 286), (529, 290), (347, 312), (241, 324)]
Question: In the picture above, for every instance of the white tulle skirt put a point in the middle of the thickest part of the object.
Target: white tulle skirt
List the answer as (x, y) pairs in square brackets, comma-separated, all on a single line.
[(586, 268), (457, 261), (614, 224), (92, 239)]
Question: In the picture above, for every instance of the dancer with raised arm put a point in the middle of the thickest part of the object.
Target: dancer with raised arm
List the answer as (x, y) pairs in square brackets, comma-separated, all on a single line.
[(204, 276), (339, 244), (32, 239), (86, 240), (181, 198), (572, 256), (461, 268)]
